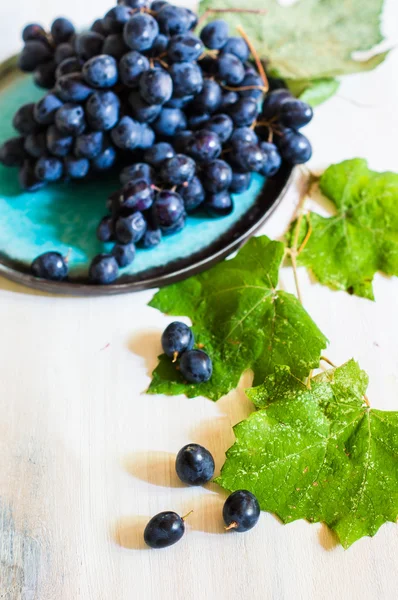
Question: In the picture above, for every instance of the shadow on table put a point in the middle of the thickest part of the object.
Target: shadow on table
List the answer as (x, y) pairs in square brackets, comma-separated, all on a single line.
[(147, 345), (327, 538), (157, 468), (128, 532)]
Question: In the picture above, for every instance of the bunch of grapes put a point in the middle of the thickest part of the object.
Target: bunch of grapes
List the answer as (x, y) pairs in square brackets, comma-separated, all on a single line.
[(186, 119)]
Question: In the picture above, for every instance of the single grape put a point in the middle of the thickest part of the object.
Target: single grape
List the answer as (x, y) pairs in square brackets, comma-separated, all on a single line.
[(147, 136), (159, 153), (273, 102), (62, 30), (237, 46), (244, 112), (194, 465), (187, 78), (178, 169), (222, 125), (58, 143), (192, 194), (215, 34), (23, 120), (88, 145), (173, 20), (176, 339), (136, 172), (36, 144), (50, 265), (244, 135), (137, 195), (169, 122), (219, 205), (114, 45), (192, 19), (167, 209), (135, 3), (44, 75), (69, 119), (151, 239), (156, 5), (105, 229), (64, 51), (198, 121), (130, 228), (76, 168), (164, 529), (33, 31), (248, 157), (131, 67), (44, 110), (204, 146), (184, 47), (103, 269), (102, 110), (124, 254), (98, 27), (101, 71), (127, 134), (49, 168), (240, 182), (116, 18), (255, 86), (181, 141), (140, 31), (228, 99), (272, 159), (105, 159), (210, 98), (69, 65), (27, 179), (216, 176), (73, 88), (241, 511), (141, 110), (294, 147), (295, 113), (156, 86), (34, 53), (88, 44), (196, 366), (12, 152), (230, 69), (175, 227)]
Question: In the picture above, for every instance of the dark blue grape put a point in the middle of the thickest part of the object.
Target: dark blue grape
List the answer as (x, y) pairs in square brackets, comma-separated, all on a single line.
[(228, 98), (198, 121), (130, 228), (192, 19), (62, 30), (230, 69), (240, 182), (194, 465), (294, 147), (164, 529), (204, 146), (44, 75), (76, 168), (34, 53), (173, 20), (181, 141), (187, 78), (98, 27), (24, 121), (156, 86), (101, 71), (12, 152), (237, 46), (141, 111), (36, 144), (89, 145), (103, 269), (69, 65), (273, 102), (216, 176), (69, 119), (167, 209), (147, 136), (50, 265), (159, 153), (169, 122), (176, 339), (114, 45), (124, 254), (49, 168), (137, 195), (196, 366), (64, 51), (72, 88), (254, 81), (210, 98), (102, 110), (105, 229), (159, 46), (105, 159), (241, 511), (244, 135), (27, 178), (58, 143), (178, 169), (158, 4), (115, 19), (135, 3), (272, 159), (295, 113), (127, 134), (248, 157), (222, 125), (33, 31), (244, 112), (176, 227), (219, 205), (215, 34), (88, 44), (192, 194), (136, 172), (44, 110), (131, 67), (208, 64), (151, 239), (140, 32), (184, 47)]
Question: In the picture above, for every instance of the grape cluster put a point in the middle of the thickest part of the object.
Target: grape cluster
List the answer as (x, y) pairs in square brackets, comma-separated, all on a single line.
[(186, 119), (177, 343)]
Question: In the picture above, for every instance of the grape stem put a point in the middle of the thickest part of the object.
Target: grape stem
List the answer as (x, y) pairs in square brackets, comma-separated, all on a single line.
[(256, 57), (187, 515), (232, 525)]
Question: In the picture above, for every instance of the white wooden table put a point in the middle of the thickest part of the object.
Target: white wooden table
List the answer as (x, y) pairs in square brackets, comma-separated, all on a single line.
[(87, 457)]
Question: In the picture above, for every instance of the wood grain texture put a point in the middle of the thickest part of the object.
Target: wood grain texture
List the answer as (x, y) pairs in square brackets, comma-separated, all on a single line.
[(87, 457)]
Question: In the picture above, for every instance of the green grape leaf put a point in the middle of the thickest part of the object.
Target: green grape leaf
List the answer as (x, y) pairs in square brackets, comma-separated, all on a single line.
[(242, 320), (312, 39), (315, 91), (345, 251), (318, 454)]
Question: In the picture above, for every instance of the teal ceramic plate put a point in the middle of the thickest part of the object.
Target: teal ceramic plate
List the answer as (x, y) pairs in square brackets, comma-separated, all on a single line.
[(64, 217)]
